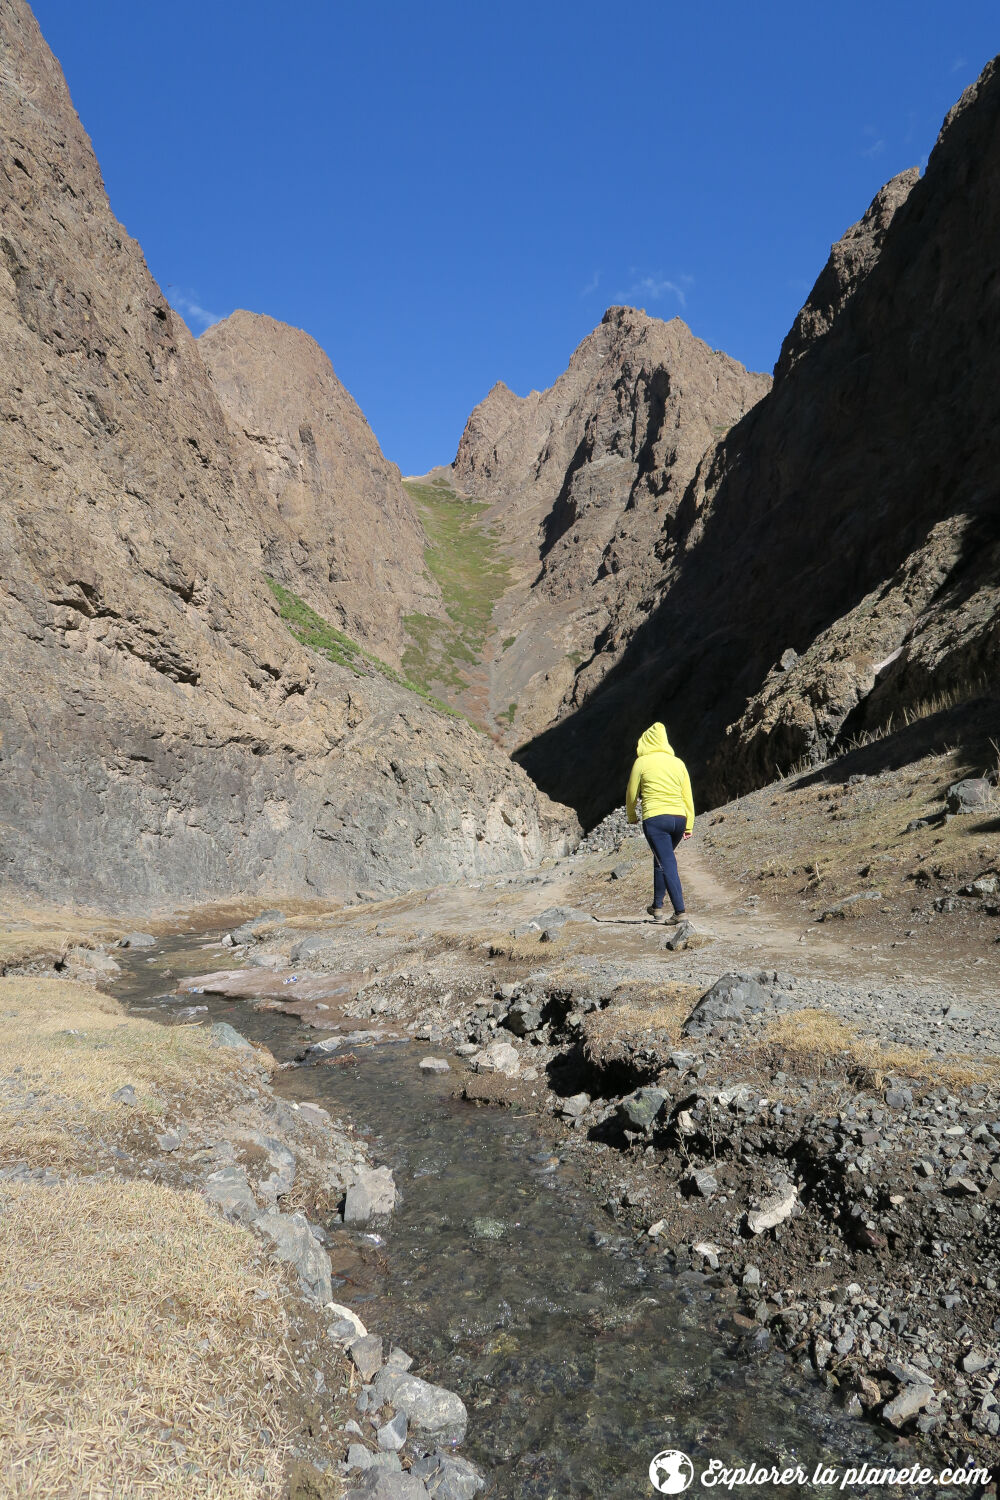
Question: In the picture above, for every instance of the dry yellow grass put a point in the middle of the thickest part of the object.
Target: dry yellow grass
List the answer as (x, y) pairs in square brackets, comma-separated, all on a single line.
[(39, 934), (64, 1051), (632, 1017), (143, 1348), (823, 840), (524, 950), (811, 1042)]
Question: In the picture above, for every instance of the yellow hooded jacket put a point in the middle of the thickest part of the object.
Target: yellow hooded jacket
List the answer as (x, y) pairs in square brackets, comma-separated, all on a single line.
[(660, 779)]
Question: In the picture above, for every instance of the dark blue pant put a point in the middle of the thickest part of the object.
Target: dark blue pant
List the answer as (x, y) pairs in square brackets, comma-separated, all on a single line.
[(663, 834)]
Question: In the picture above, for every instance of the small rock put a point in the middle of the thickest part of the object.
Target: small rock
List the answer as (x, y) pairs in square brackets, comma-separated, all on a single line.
[(137, 940), (449, 1477), (399, 1359), (974, 795), (703, 1182), (366, 1352), (294, 1242), (498, 1057), (124, 1095), (359, 1457), (168, 1141), (904, 1406), (841, 908), (962, 1187), (974, 1361), (432, 1411), (392, 1434), (573, 1107), (372, 1192), (345, 1315), (434, 1065), (773, 1211), (230, 1189), (638, 1111), (680, 937), (378, 1484), (224, 1035)]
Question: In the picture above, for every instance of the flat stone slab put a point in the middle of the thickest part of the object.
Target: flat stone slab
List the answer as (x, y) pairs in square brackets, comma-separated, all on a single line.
[(310, 996)]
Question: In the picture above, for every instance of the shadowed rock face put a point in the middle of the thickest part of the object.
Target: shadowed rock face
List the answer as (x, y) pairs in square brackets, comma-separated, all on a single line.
[(162, 734), (584, 480), (837, 556), (344, 532)]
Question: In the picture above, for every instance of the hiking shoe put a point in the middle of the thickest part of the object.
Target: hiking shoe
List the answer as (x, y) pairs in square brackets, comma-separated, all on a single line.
[(657, 913), (677, 917)]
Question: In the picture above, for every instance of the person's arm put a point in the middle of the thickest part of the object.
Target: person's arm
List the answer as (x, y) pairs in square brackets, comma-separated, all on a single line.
[(686, 793), (632, 793)]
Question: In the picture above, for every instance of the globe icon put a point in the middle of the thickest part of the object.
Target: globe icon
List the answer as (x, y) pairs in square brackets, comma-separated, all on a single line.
[(671, 1472)]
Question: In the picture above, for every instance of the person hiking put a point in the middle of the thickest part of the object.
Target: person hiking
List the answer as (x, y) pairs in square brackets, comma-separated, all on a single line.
[(661, 780)]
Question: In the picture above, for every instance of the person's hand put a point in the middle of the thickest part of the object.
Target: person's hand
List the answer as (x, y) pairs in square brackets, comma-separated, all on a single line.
[(688, 834)]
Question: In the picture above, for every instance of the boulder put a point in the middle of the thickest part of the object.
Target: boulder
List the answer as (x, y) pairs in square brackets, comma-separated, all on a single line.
[(137, 940)]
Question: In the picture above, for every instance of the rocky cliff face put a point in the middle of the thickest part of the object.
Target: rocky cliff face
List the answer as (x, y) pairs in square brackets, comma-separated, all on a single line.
[(161, 734), (584, 480), (343, 530), (837, 556)]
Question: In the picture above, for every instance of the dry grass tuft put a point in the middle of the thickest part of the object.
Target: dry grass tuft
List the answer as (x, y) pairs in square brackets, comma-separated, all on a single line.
[(523, 950), (143, 1347), (64, 1051), (633, 1017), (814, 1042)]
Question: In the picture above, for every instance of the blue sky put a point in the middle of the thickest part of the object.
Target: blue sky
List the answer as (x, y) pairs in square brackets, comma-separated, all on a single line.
[(449, 193)]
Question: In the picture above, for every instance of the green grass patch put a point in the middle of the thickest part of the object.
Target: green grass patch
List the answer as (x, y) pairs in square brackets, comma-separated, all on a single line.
[(508, 713), (466, 559), (508, 643), (310, 629)]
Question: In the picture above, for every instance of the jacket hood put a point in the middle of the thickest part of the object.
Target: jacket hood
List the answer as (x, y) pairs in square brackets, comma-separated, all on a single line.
[(655, 738)]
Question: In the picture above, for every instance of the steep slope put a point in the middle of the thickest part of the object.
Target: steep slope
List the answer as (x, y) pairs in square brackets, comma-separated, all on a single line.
[(583, 481), (837, 556), (163, 736), (343, 525)]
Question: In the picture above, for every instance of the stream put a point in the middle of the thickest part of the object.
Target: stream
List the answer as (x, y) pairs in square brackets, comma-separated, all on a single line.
[(500, 1273)]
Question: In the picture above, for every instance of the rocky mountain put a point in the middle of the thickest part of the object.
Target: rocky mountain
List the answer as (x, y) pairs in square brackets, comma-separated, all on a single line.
[(583, 481), (162, 735), (345, 531), (836, 559)]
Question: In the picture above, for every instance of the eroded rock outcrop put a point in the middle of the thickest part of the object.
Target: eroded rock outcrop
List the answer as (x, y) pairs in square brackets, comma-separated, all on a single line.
[(163, 736), (584, 480), (837, 556), (345, 533)]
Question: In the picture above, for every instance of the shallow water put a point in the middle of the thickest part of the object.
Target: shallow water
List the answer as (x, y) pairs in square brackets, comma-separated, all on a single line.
[(501, 1275)]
